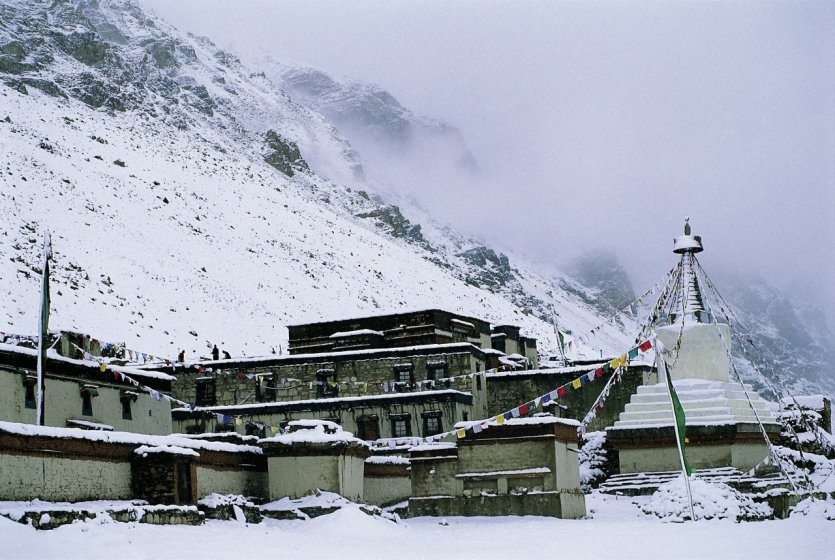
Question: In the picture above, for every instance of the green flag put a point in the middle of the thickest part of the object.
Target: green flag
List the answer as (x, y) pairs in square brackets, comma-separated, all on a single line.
[(681, 425), (43, 329)]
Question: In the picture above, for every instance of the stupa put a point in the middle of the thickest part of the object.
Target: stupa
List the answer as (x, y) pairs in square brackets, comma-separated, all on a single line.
[(725, 420)]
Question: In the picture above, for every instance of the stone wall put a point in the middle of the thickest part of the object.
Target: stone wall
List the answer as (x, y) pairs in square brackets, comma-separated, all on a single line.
[(347, 412), (385, 485), (244, 383), (67, 467), (523, 467), (26, 477), (63, 402)]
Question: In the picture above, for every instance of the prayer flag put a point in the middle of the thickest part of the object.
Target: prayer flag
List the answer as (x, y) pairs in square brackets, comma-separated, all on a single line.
[(633, 353), (681, 423), (583, 380), (561, 392), (523, 409), (546, 398), (508, 415), (645, 346), (576, 383), (476, 428), (461, 433), (500, 419), (598, 372), (103, 368), (515, 412), (554, 395)]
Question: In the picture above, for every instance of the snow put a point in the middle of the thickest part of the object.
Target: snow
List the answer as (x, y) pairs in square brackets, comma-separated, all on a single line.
[(711, 500), (387, 460), (616, 529), (216, 500), (531, 421), (144, 450), (511, 472), (123, 437), (53, 355), (432, 446), (811, 402), (314, 431), (90, 425), (357, 332)]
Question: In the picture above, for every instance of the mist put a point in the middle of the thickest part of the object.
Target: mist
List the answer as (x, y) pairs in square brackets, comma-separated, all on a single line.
[(593, 125)]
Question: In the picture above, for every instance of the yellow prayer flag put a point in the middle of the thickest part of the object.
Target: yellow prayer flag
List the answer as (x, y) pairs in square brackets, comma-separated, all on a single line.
[(461, 433), (239, 421), (624, 360), (615, 363), (103, 368), (576, 383), (274, 429), (500, 419)]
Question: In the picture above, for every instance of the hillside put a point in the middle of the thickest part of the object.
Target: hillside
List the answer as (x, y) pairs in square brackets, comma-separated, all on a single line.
[(193, 202)]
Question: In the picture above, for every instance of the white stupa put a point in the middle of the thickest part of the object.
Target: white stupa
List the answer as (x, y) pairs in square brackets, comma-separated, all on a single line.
[(723, 423)]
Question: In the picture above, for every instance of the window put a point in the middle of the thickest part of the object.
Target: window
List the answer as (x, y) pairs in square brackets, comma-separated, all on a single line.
[(205, 387), (465, 417), (126, 414), (432, 423), (478, 382), (404, 377), (401, 425), (86, 404), (368, 427), (436, 370), (326, 385), (29, 384)]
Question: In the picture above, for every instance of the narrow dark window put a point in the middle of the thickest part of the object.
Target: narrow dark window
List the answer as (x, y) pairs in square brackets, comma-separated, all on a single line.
[(326, 385), (126, 412), (30, 396), (86, 404), (478, 382)]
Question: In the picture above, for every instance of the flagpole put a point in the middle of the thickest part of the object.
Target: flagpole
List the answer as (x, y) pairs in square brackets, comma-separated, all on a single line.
[(43, 329), (679, 445)]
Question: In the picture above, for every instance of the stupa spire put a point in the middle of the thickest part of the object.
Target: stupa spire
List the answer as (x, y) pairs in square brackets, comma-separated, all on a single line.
[(689, 301)]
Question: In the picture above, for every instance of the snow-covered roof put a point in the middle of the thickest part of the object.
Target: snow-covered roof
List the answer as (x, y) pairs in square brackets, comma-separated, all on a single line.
[(812, 402), (123, 437), (358, 332), (387, 460), (335, 400), (513, 472), (315, 431), (433, 446), (170, 449), (533, 421), (54, 355)]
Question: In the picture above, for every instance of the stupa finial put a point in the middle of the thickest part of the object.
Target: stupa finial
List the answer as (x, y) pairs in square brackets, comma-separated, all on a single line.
[(687, 225)]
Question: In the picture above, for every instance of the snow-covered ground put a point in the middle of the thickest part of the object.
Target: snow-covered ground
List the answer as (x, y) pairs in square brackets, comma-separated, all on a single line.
[(617, 530)]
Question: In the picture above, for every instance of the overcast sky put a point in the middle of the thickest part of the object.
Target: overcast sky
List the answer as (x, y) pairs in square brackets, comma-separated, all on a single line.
[(600, 124)]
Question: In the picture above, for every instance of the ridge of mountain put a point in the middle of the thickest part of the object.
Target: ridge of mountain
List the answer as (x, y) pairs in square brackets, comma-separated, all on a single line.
[(180, 220)]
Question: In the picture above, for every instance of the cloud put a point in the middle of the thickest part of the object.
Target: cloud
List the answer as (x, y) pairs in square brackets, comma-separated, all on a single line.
[(598, 124)]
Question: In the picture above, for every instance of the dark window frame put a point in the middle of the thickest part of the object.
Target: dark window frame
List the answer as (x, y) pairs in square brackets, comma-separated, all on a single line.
[(401, 419), (205, 392), (432, 423)]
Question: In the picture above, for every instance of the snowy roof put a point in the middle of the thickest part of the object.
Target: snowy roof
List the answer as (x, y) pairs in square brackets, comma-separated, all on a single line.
[(432, 446), (387, 460), (329, 356), (331, 401), (812, 402), (315, 431), (534, 421), (357, 332), (53, 355), (170, 449), (546, 371), (513, 472), (123, 437)]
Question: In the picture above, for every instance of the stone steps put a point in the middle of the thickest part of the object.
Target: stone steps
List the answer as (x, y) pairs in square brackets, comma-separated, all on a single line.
[(645, 484)]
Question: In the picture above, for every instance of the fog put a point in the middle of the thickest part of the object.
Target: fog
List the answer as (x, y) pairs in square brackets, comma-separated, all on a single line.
[(597, 124)]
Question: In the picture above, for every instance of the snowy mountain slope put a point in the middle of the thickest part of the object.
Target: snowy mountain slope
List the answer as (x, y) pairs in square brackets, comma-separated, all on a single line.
[(170, 229), (402, 152)]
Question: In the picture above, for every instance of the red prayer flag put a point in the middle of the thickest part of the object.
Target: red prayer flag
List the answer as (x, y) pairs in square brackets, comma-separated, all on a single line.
[(598, 372), (523, 409), (646, 345), (561, 392)]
